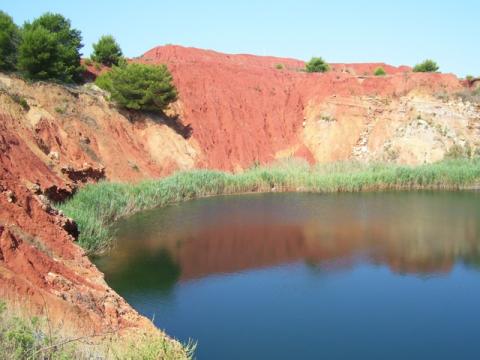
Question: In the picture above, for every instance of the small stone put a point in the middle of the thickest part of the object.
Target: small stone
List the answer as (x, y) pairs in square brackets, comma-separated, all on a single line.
[(36, 189), (84, 139), (54, 155), (10, 196)]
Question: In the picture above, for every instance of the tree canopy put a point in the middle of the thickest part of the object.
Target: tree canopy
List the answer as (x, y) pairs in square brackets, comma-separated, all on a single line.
[(107, 51), (9, 40), (50, 49), (426, 66), (380, 71), (139, 87), (317, 64)]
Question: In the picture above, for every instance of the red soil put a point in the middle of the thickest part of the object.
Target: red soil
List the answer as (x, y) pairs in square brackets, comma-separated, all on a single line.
[(40, 264), (243, 110)]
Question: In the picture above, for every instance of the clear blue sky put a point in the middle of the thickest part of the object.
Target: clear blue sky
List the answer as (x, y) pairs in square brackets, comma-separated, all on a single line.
[(396, 32)]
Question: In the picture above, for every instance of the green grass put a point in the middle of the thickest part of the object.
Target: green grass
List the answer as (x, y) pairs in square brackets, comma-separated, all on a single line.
[(22, 338), (155, 347), (35, 338), (96, 207)]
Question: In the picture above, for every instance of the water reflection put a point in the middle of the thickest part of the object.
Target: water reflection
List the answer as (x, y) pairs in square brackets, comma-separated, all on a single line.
[(422, 233)]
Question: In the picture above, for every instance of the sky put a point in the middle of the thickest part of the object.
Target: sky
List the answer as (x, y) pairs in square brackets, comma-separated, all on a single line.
[(396, 32)]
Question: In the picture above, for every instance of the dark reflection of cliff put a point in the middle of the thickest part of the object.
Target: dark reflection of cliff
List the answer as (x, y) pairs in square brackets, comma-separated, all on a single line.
[(146, 271), (409, 232), (473, 260)]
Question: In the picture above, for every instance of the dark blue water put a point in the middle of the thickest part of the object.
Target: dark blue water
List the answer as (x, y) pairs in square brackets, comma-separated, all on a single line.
[(307, 276)]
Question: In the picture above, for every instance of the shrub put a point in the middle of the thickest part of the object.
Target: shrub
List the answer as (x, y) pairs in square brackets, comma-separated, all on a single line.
[(49, 49), (379, 72), (20, 101), (25, 338), (139, 86), (88, 62), (426, 66), (456, 152), (150, 347), (107, 51), (9, 39), (279, 66), (317, 64), (469, 95), (104, 81)]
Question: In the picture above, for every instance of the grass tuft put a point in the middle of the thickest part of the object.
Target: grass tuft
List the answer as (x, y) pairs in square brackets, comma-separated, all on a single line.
[(26, 338)]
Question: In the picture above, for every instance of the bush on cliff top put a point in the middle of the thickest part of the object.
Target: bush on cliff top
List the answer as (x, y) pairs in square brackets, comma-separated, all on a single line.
[(50, 49), (139, 86), (379, 72), (426, 66), (9, 40), (316, 64), (107, 51)]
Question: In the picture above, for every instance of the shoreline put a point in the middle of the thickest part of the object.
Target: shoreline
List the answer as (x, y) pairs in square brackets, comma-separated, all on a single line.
[(97, 207)]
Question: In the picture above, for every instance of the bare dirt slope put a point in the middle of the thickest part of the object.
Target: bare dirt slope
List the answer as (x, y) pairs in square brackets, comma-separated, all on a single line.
[(233, 111)]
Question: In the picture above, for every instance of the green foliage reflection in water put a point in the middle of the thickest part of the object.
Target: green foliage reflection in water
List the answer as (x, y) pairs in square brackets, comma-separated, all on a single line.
[(96, 207)]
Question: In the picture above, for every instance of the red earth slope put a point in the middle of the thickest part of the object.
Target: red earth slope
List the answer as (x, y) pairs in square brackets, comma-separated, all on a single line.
[(243, 109)]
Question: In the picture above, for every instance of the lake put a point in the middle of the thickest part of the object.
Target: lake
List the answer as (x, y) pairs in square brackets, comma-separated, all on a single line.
[(391, 275)]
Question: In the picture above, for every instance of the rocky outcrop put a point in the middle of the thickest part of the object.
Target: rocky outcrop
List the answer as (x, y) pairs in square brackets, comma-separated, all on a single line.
[(85, 174)]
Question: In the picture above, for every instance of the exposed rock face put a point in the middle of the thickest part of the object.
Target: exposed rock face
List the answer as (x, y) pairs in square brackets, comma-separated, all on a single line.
[(412, 129), (233, 111), (85, 174)]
